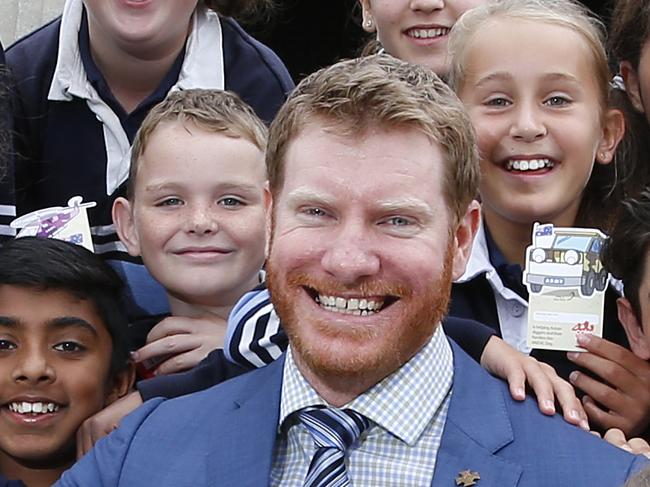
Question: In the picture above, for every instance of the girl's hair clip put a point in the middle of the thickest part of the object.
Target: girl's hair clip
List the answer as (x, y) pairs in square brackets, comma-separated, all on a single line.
[(617, 83)]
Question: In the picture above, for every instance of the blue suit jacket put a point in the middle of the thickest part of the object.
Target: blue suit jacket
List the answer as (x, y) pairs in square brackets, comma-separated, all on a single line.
[(224, 436)]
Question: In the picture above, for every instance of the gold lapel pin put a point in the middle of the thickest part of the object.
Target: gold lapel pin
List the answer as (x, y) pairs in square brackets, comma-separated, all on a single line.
[(467, 478)]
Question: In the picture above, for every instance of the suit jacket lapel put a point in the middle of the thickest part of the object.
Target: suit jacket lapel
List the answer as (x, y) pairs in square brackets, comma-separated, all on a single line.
[(246, 432), (477, 427)]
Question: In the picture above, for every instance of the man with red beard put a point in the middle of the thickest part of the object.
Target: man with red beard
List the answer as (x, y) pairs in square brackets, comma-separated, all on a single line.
[(372, 173)]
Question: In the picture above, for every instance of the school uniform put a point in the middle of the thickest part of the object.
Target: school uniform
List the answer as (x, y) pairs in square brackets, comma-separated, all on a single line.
[(491, 292), (4, 482), (74, 138)]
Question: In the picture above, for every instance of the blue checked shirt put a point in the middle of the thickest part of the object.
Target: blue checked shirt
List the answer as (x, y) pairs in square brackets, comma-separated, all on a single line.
[(407, 411)]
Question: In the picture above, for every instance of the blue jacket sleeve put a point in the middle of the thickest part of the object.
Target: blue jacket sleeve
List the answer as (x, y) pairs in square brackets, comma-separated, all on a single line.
[(102, 466)]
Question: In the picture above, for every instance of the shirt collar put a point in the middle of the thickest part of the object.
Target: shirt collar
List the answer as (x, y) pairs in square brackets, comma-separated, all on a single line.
[(415, 391), (202, 65)]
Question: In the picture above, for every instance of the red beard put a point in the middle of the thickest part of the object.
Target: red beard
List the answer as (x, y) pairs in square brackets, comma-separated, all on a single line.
[(345, 352)]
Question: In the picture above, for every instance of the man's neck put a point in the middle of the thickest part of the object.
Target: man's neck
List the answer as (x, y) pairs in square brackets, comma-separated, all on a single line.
[(339, 389), (132, 74)]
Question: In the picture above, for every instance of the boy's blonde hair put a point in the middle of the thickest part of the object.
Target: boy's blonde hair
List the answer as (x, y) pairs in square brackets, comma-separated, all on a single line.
[(354, 96), (564, 13), (211, 110)]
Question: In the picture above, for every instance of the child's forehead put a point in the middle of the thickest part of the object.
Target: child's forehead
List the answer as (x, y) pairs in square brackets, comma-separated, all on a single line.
[(48, 309), (177, 154), (493, 46)]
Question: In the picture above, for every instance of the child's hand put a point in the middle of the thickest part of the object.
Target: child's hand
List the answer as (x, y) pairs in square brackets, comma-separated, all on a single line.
[(625, 397), (99, 425), (637, 446), (181, 343), (503, 361)]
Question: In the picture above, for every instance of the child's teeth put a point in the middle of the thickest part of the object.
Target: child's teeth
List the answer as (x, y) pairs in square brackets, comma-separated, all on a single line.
[(528, 165), (25, 407)]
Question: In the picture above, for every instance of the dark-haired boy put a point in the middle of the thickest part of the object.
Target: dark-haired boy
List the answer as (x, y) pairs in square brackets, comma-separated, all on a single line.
[(62, 353)]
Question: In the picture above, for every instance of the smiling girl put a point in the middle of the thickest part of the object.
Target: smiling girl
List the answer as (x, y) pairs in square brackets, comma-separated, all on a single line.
[(534, 78)]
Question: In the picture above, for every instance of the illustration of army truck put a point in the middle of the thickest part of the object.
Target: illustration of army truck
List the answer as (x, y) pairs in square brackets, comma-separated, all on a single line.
[(566, 258)]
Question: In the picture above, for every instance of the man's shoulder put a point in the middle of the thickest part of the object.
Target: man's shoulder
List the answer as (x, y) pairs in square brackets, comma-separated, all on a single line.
[(541, 450)]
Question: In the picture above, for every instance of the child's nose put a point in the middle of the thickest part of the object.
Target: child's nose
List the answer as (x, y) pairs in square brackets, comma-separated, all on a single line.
[(33, 366), (427, 5), (202, 220), (528, 124)]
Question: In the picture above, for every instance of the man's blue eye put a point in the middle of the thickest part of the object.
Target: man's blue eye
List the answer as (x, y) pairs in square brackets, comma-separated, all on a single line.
[(315, 212), (399, 221)]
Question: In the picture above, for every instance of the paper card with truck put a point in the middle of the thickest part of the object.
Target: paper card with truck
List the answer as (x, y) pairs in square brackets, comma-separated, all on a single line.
[(566, 282)]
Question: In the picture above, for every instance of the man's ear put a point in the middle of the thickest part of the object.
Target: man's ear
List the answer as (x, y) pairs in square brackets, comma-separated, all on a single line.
[(633, 329), (612, 133), (121, 383), (464, 238), (632, 85), (268, 206), (125, 225)]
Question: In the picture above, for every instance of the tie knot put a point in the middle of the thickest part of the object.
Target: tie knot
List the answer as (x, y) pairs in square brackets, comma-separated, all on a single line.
[(334, 428)]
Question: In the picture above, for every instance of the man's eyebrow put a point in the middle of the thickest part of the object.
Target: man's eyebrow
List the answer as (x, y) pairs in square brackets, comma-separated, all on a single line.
[(61, 322), (308, 194), (406, 204)]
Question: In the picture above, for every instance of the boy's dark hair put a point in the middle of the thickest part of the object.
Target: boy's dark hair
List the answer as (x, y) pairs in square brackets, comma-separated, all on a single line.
[(50, 264), (625, 253)]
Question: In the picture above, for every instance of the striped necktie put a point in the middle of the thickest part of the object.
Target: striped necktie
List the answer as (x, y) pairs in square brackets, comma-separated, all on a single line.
[(334, 431)]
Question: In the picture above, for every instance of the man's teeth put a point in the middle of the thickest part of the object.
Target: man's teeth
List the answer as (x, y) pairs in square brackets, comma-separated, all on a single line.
[(352, 306), (528, 164), (33, 407), (428, 33)]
